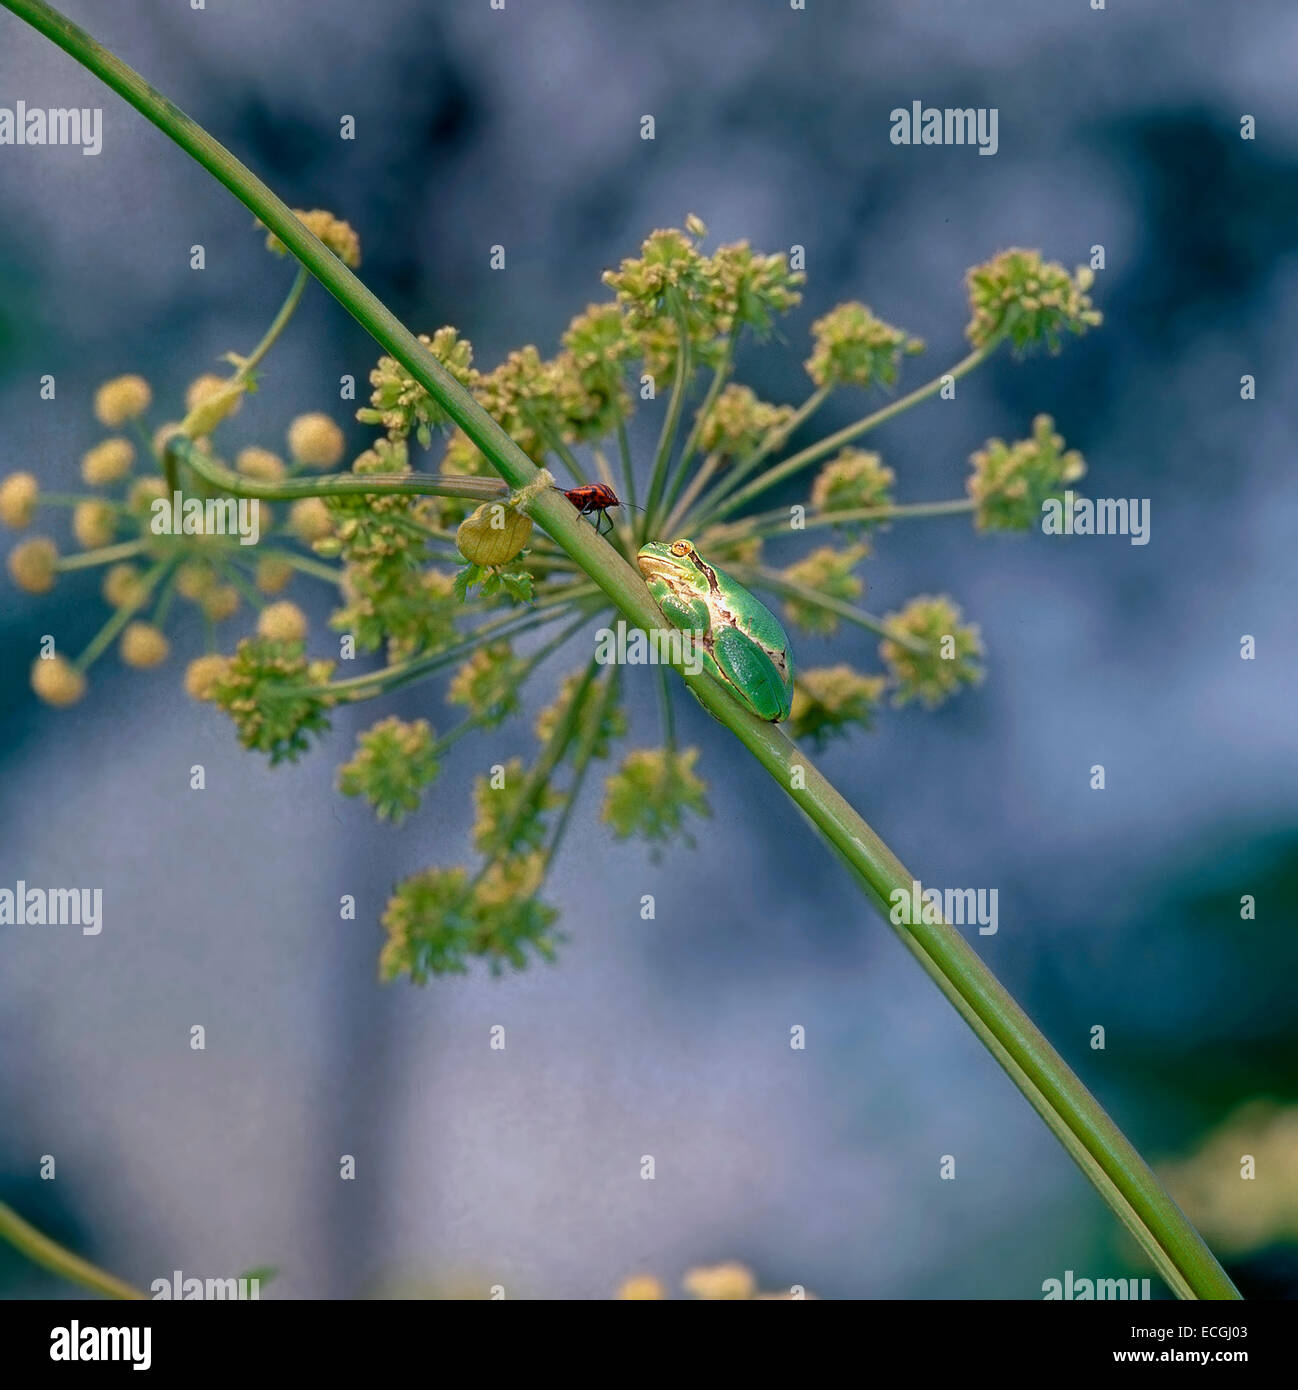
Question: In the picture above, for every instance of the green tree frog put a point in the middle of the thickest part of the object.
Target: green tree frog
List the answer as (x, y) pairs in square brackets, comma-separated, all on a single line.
[(743, 645)]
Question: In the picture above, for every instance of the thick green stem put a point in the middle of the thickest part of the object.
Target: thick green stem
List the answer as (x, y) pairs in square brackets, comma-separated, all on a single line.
[(1072, 1113)]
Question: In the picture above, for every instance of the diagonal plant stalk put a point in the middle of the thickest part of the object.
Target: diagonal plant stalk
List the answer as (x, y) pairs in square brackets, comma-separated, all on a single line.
[(37, 1246), (1097, 1145)]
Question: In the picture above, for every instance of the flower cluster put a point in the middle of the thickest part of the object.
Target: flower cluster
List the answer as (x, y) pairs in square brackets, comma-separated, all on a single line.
[(394, 763), (1010, 482), (271, 691), (738, 424), (854, 348), (828, 701), (438, 920), (1017, 295), (653, 792), (932, 653), (673, 295), (400, 404), (827, 573), (856, 478), (437, 571)]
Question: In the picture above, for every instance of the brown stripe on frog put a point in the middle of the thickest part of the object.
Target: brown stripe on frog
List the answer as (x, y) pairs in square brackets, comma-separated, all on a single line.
[(778, 659)]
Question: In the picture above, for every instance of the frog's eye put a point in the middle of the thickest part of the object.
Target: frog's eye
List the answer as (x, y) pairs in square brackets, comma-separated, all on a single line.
[(680, 548)]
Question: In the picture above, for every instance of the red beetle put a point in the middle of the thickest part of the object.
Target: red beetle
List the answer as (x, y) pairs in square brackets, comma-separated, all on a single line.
[(593, 497)]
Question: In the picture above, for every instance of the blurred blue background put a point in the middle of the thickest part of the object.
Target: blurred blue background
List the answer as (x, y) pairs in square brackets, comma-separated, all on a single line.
[(670, 1037)]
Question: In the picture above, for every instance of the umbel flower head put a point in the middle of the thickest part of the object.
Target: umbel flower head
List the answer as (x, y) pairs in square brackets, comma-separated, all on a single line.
[(144, 645), (121, 399), (653, 792), (400, 404), (315, 441), (427, 587), (854, 348), (34, 565), (856, 478), (395, 762), (57, 681), (108, 462), (829, 701), (336, 234), (827, 573), (1018, 295), (947, 655), (1010, 482), (438, 920), (269, 689), (738, 423)]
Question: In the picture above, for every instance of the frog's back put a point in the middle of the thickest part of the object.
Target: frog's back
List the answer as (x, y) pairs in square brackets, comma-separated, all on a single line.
[(760, 621)]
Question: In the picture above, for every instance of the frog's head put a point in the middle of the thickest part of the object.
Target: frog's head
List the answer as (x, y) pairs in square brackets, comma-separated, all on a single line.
[(674, 561)]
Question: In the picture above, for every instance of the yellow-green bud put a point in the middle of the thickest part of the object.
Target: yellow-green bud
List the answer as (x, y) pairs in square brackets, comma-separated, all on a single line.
[(144, 645), (202, 674), (121, 399), (273, 574), (19, 493), (34, 565), (221, 602), (108, 462), (94, 523), (261, 464), (315, 441), (282, 622), (57, 681), (728, 1281), (309, 519), (121, 586), (145, 492), (194, 580)]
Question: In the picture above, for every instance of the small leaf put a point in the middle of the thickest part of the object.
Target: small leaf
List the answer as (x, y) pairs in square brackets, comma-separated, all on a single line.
[(518, 584), (465, 579)]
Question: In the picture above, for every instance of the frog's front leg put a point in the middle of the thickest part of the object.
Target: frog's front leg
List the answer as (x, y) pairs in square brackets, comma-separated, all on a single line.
[(688, 614), (751, 675)]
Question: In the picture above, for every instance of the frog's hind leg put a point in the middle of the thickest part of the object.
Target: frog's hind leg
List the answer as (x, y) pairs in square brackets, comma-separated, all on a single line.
[(752, 674)]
